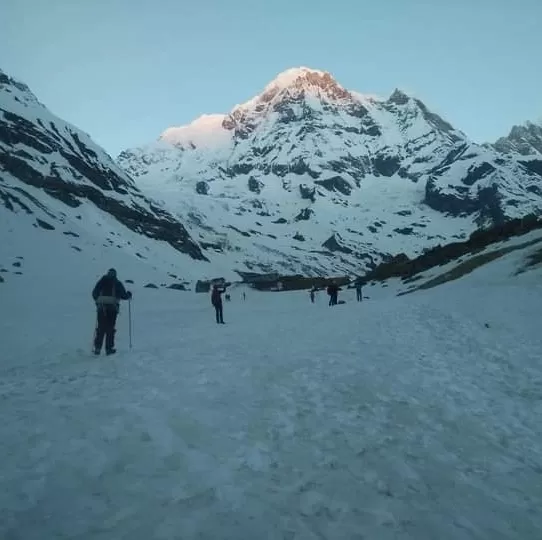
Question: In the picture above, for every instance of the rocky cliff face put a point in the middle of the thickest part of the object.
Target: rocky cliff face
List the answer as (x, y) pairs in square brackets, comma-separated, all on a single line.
[(307, 160), (525, 140), (45, 161)]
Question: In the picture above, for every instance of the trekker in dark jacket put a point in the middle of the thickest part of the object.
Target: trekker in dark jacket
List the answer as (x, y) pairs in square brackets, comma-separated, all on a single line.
[(359, 292), (216, 300), (107, 294), (333, 291)]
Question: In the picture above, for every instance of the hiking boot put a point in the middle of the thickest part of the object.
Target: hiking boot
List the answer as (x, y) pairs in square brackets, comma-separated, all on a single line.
[(110, 352), (96, 352)]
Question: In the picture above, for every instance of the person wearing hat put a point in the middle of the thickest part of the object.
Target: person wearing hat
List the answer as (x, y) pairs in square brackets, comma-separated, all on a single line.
[(107, 294)]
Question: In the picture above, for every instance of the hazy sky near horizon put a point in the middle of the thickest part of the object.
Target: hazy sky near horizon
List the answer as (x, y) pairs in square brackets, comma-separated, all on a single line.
[(125, 70)]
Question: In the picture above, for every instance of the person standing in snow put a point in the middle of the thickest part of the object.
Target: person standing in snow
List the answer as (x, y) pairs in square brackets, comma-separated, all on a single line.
[(312, 294), (333, 292), (359, 292), (216, 300), (107, 294)]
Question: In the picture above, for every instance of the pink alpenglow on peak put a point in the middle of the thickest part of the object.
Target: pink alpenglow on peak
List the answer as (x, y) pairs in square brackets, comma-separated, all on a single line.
[(306, 79), (204, 131), (292, 75)]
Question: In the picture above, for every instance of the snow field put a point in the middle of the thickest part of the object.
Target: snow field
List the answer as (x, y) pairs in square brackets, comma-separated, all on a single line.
[(413, 417)]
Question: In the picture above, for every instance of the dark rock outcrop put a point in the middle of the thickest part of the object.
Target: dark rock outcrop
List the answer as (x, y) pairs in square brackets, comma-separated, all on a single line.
[(44, 225), (398, 97), (455, 203), (476, 173), (533, 166), (304, 214), (307, 192), (404, 230), (336, 183), (255, 185), (300, 167), (386, 165), (202, 187), (333, 244), (177, 287)]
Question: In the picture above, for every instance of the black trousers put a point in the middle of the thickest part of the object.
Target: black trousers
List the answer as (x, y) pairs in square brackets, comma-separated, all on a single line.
[(107, 318), (219, 313), (359, 295)]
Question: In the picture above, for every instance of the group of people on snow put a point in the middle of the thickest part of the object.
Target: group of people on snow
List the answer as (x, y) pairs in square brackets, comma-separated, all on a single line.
[(333, 292), (109, 291)]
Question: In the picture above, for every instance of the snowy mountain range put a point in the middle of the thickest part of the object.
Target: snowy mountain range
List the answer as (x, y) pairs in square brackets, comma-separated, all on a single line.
[(306, 177), (309, 176), (38, 150), (63, 197)]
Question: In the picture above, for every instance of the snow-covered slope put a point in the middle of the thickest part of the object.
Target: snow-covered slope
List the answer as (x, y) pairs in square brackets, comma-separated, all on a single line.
[(293, 420), (310, 177), (516, 255), (62, 196)]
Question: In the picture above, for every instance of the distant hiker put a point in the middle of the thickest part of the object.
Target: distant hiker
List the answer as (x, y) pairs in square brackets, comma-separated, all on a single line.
[(359, 293), (312, 294), (244, 295), (333, 292), (216, 300), (107, 294)]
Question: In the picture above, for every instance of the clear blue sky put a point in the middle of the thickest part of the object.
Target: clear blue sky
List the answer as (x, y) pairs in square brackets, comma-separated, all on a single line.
[(124, 70)]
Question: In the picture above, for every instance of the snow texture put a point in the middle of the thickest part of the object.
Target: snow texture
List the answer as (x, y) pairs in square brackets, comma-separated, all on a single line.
[(398, 418)]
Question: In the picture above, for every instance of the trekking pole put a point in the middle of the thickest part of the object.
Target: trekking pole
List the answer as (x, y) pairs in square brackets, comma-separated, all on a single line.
[(92, 347), (130, 321)]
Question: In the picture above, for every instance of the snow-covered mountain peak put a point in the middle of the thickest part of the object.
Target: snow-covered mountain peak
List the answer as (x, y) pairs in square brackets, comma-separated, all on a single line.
[(16, 94), (205, 131), (525, 139), (399, 97), (304, 78), (297, 85)]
